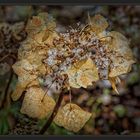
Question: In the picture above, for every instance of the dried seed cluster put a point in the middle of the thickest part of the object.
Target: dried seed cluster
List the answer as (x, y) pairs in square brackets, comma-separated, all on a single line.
[(75, 46)]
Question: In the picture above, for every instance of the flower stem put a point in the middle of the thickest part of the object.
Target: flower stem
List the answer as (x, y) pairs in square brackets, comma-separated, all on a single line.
[(49, 121)]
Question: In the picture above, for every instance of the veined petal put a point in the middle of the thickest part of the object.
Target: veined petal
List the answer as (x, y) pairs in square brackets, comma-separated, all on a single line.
[(82, 74), (120, 55), (98, 23), (72, 117), (34, 106)]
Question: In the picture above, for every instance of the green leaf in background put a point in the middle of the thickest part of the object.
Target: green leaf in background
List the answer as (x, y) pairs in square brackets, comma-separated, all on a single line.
[(120, 110), (4, 125)]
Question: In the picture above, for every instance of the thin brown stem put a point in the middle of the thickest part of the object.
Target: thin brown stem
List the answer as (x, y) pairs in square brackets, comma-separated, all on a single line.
[(4, 57), (8, 55), (49, 121)]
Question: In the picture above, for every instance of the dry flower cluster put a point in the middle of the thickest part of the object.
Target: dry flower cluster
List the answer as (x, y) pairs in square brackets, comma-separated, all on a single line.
[(75, 59)]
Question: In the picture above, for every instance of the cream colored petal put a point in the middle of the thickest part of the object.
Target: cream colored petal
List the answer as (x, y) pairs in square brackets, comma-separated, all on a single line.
[(34, 107), (72, 117)]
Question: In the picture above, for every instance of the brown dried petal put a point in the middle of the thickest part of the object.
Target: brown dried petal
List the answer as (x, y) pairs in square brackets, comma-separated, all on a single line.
[(98, 23), (82, 74), (123, 58), (34, 107), (39, 38), (17, 92), (113, 83), (72, 117), (21, 67), (41, 29), (23, 82), (31, 64)]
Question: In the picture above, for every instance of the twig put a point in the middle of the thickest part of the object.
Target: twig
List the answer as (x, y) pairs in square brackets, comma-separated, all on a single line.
[(48, 123), (4, 57), (8, 55)]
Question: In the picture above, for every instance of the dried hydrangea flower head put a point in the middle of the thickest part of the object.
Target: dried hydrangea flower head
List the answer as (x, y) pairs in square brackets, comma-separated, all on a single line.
[(76, 58)]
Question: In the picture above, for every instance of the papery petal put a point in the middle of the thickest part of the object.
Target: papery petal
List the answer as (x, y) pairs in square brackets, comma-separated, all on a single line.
[(82, 74), (34, 106), (23, 82), (120, 54), (72, 117), (98, 23), (113, 81)]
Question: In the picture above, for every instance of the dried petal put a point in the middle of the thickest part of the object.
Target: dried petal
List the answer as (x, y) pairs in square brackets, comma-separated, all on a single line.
[(34, 106), (82, 74), (121, 55), (17, 92), (72, 117), (41, 29), (23, 82), (113, 84), (98, 23)]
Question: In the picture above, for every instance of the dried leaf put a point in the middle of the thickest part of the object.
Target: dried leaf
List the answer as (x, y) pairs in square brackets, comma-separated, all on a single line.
[(34, 106), (72, 117), (82, 74)]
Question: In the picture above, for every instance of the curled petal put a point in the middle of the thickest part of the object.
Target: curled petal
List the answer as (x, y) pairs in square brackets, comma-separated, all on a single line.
[(113, 81)]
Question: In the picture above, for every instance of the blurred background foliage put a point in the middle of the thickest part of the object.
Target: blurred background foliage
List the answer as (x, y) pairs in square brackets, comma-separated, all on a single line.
[(112, 114)]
